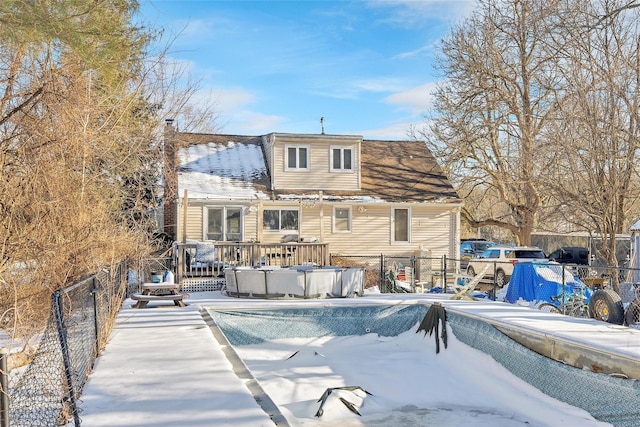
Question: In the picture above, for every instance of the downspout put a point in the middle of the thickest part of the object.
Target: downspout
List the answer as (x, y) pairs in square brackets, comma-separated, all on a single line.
[(259, 220), (456, 234), (185, 204), (320, 204)]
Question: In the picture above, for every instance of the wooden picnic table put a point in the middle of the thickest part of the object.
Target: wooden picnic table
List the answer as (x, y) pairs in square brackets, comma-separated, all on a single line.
[(163, 291), (162, 288)]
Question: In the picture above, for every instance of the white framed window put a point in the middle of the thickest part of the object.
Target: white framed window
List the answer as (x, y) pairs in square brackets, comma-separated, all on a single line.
[(280, 220), (341, 159), (223, 223), (342, 219), (400, 225), (296, 157)]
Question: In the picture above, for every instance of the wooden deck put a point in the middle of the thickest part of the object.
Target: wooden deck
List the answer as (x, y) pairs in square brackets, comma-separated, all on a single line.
[(246, 254)]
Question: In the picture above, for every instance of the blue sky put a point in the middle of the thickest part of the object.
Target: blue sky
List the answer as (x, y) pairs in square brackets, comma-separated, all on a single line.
[(278, 66)]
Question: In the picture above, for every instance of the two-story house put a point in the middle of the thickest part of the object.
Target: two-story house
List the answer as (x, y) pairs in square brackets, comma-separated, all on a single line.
[(358, 196)]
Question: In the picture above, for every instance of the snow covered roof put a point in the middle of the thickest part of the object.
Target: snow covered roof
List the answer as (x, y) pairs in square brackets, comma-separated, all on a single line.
[(222, 167)]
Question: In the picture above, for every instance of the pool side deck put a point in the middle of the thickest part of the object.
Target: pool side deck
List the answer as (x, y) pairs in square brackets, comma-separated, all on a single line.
[(177, 374)]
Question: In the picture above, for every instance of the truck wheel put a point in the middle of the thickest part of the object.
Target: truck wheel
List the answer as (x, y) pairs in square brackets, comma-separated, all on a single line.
[(632, 315), (606, 305), (501, 279)]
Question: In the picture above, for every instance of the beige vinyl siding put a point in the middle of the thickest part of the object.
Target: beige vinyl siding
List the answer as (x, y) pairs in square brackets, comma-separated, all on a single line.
[(371, 232), (310, 223), (318, 177), (194, 221), (431, 227), (250, 224)]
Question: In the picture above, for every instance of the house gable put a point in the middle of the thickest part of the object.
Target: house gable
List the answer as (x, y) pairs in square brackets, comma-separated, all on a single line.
[(314, 162)]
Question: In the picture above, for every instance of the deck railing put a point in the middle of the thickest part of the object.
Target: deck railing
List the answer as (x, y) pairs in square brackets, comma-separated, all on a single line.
[(234, 254)]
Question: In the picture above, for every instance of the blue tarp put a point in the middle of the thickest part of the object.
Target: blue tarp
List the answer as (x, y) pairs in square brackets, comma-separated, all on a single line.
[(533, 281)]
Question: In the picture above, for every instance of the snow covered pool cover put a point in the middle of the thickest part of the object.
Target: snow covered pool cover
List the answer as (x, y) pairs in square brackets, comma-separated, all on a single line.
[(297, 354)]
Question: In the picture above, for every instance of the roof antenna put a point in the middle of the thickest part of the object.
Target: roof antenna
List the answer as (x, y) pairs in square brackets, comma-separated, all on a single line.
[(322, 124)]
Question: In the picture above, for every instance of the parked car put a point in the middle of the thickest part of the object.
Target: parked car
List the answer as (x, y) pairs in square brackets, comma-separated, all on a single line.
[(570, 255), (472, 248), (502, 259)]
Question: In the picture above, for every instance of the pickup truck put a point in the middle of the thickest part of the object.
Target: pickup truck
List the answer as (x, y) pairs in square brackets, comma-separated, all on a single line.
[(501, 260)]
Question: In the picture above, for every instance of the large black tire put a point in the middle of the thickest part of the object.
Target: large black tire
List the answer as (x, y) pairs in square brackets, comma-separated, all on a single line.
[(606, 305), (632, 315)]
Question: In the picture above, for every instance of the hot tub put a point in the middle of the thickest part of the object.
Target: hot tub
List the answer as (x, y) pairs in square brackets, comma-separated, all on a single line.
[(295, 282)]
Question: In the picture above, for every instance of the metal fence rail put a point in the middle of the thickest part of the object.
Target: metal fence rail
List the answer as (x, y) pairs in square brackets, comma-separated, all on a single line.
[(382, 270), (44, 392), (424, 274)]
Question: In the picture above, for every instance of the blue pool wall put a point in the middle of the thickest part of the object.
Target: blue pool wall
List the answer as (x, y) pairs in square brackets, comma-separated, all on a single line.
[(242, 327)]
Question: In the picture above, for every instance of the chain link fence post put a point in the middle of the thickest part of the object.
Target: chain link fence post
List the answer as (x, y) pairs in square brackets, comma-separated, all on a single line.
[(62, 333), (564, 291), (4, 389), (414, 270), (383, 275), (443, 273), (96, 323)]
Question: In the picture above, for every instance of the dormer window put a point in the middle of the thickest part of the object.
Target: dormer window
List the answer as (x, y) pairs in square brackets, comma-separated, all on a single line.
[(341, 159), (297, 157)]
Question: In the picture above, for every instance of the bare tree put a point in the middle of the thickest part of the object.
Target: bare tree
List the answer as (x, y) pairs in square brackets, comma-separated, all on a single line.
[(594, 182), (490, 112), (81, 104)]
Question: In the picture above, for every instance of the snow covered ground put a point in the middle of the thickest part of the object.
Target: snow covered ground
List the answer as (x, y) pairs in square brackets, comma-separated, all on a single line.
[(162, 367)]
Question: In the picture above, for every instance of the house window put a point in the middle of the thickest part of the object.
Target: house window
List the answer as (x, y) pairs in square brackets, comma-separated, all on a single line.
[(297, 157), (341, 159), (401, 221), (224, 224), (280, 220), (341, 219)]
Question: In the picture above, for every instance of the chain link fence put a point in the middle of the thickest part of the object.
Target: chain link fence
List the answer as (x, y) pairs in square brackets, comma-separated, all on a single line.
[(42, 391), (385, 272), (405, 274)]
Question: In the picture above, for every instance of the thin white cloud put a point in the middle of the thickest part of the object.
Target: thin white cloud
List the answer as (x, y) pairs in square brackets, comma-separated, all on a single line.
[(382, 84), (398, 131), (416, 52), (195, 27), (253, 123), (417, 100), (231, 100), (234, 106), (414, 13)]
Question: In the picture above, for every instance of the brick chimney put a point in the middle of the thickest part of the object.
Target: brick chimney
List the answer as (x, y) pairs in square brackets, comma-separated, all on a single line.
[(170, 180)]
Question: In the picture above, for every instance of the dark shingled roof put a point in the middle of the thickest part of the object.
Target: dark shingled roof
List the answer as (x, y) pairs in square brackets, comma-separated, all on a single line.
[(406, 171)]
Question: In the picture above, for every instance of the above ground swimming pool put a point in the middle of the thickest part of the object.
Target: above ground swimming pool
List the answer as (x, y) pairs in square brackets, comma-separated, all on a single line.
[(294, 282)]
